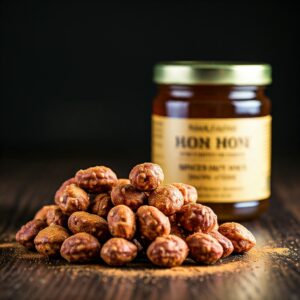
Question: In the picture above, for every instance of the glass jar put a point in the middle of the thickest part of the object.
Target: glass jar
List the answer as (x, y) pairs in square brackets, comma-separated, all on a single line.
[(211, 128)]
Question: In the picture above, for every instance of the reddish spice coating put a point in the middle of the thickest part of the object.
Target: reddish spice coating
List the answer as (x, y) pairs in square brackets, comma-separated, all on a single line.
[(204, 248), (128, 195), (97, 179), (27, 233), (196, 217), (121, 222), (118, 252), (167, 198), (49, 240), (146, 176), (152, 222), (241, 238), (168, 251), (101, 205), (80, 247), (62, 188), (189, 193), (73, 199), (82, 221), (223, 241)]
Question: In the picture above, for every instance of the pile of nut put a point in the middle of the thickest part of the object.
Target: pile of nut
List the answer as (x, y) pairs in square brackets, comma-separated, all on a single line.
[(98, 215)]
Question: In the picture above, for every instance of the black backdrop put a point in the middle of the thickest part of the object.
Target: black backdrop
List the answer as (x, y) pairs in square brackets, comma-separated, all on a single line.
[(77, 78)]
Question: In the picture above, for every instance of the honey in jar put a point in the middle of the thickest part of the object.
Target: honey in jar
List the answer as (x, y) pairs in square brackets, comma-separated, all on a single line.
[(211, 128)]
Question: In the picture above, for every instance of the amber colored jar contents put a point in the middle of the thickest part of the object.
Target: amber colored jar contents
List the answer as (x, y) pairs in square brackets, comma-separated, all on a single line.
[(211, 129)]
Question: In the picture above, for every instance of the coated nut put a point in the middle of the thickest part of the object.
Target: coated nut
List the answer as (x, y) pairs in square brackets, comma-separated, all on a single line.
[(97, 179), (189, 193), (49, 240), (118, 251), (51, 214), (241, 238), (73, 199), (62, 188), (123, 181), (101, 205), (27, 233), (121, 222), (146, 176), (168, 251), (128, 195), (41, 214), (196, 217), (80, 247), (82, 221), (152, 222), (223, 241), (204, 248), (167, 198)]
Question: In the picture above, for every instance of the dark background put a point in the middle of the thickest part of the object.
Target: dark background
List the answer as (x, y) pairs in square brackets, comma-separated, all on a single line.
[(77, 78)]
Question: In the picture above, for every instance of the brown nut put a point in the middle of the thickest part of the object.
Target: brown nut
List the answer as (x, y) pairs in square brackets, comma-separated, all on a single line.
[(146, 176), (152, 222), (80, 247), (101, 205), (51, 214), (121, 222), (49, 240), (97, 179), (223, 241), (204, 248), (82, 221), (196, 217), (27, 233), (167, 198), (188, 192), (73, 199), (168, 251), (118, 251), (128, 195), (178, 231), (123, 181), (241, 238), (62, 188)]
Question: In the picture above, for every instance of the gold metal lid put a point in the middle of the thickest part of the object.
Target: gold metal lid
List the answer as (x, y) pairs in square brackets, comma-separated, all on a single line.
[(215, 73)]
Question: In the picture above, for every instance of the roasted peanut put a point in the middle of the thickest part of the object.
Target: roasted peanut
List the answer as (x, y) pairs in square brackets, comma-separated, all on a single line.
[(49, 240), (73, 199), (80, 247), (167, 198), (204, 248), (101, 205), (241, 238), (121, 222), (128, 195), (223, 241), (118, 251), (146, 176), (62, 188), (27, 233), (97, 179), (152, 222), (196, 217), (82, 221), (188, 192), (168, 251)]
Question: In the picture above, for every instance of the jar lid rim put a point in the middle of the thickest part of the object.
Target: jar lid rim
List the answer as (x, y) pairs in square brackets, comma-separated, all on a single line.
[(212, 72)]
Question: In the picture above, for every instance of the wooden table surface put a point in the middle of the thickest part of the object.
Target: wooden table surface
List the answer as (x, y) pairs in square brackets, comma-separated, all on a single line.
[(269, 271)]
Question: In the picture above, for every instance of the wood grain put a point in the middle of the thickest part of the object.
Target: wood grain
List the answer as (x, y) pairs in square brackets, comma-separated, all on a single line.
[(272, 271)]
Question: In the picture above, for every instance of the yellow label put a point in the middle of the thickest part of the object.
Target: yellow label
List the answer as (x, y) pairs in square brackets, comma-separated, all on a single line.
[(227, 160)]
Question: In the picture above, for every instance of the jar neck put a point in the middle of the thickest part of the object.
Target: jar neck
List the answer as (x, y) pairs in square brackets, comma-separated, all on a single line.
[(216, 91)]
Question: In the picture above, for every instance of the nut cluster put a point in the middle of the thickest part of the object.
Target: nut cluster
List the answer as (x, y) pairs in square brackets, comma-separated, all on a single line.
[(96, 215)]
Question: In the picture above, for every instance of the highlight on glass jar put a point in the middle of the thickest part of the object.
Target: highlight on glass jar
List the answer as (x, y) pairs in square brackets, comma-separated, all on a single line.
[(211, 128)]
